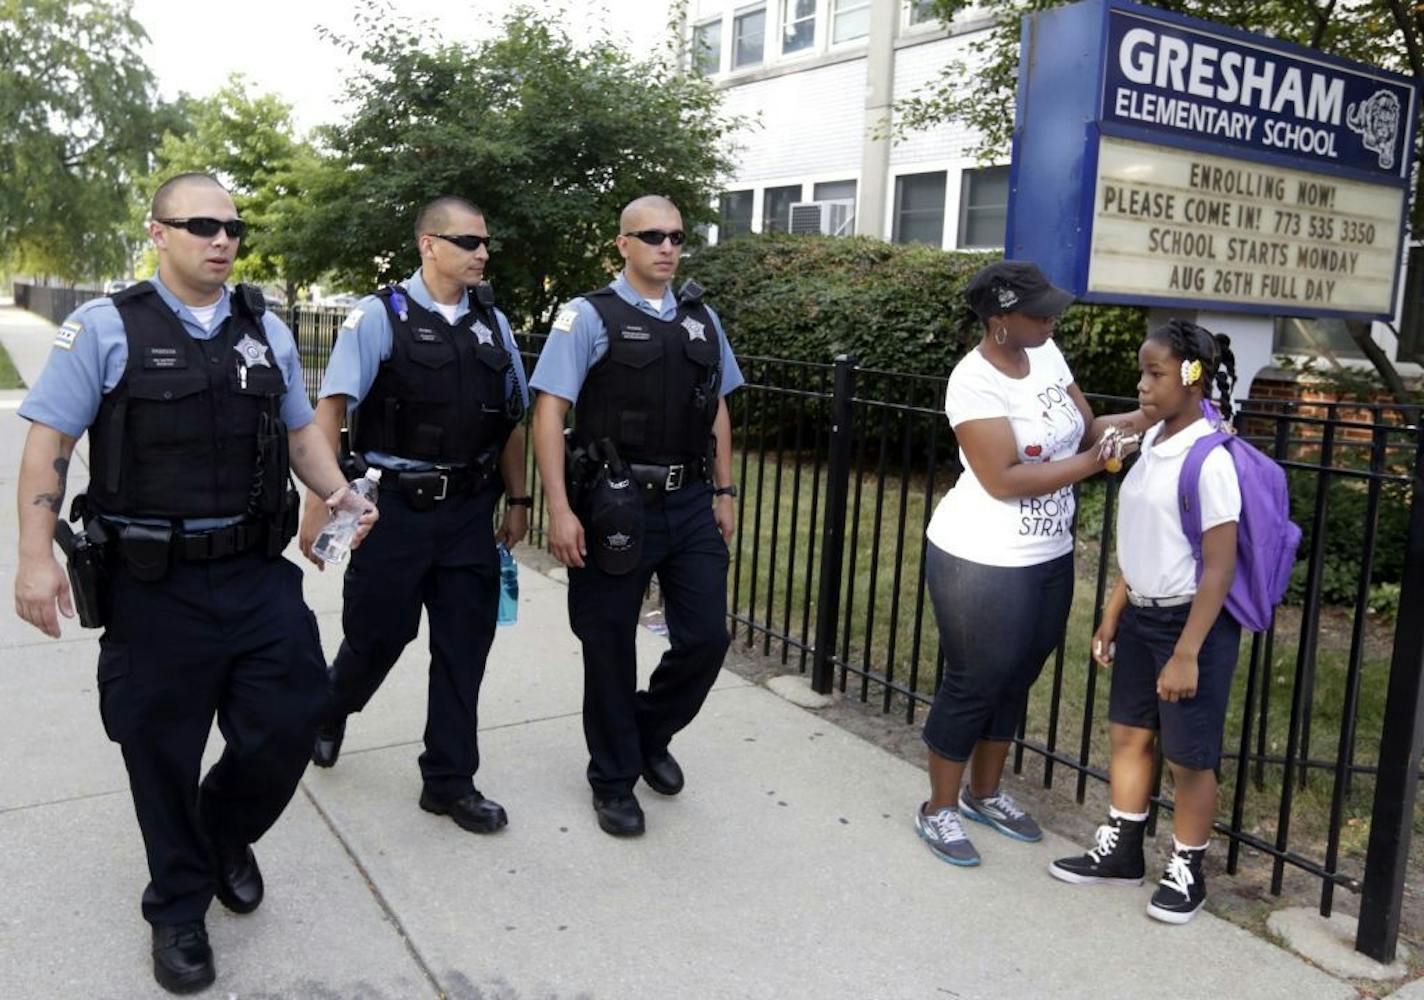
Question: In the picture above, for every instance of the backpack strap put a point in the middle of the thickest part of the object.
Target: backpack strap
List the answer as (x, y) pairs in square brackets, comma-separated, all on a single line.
[(1189, 492)]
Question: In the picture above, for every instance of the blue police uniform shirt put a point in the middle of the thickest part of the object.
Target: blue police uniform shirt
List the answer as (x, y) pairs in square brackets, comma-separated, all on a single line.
[(91, 351), (365, 341), (578, 339)]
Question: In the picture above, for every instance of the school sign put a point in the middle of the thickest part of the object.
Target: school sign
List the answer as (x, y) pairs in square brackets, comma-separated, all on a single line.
[(1162, 160)]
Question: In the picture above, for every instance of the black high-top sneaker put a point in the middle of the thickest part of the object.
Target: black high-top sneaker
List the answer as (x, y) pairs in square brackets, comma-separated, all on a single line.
[(1182, 890), (1116, 858)]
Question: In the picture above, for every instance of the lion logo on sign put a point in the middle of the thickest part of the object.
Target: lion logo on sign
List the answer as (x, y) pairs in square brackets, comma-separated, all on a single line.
[(1377, 122)]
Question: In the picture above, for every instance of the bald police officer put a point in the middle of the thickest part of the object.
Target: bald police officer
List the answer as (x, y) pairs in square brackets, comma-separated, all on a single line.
[(192, 397), (646, 373), (434, 386)]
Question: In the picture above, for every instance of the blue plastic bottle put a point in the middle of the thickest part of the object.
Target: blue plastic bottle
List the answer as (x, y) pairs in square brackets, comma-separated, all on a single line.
[(508, 588)]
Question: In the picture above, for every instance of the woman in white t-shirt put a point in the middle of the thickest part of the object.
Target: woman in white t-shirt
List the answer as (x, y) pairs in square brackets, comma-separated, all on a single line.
[(999, 565), (1164, 631)]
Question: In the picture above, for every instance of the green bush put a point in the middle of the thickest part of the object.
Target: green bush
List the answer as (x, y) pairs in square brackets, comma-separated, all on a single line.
[(1343, 557), (892, 306)]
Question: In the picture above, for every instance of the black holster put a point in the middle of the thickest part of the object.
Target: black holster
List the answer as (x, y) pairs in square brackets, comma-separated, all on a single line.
[(579, 471), (85, 561)]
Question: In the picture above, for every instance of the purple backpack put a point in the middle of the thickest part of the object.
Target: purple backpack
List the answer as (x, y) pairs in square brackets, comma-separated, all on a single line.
[(1266, 538)]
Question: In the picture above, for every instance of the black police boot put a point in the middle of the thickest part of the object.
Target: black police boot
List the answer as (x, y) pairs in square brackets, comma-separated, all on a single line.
[(471, 812), (662, 774), (619, 815), (1116, 858), (328, 742), (182, 960), (240, 886)]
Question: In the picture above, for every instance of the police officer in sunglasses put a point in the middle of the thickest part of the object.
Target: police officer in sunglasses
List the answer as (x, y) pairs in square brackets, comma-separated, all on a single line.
[(649, 490), (193, 400), (428, 379)]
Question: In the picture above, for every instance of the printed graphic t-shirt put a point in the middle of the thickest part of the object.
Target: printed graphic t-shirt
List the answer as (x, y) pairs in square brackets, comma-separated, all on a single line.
[(971, 524)]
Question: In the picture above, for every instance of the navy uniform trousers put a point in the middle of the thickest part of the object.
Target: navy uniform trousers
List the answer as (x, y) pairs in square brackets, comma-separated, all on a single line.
[(234, 638), (444, 559), (622, 724)]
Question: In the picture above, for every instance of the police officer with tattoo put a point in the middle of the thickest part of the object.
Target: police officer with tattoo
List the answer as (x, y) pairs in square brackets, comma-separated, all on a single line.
[(428, 375), (193, 400), (643, 486)]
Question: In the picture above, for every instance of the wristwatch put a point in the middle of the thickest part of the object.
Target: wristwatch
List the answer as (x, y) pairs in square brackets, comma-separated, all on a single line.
[(725, 491), (519, 502)]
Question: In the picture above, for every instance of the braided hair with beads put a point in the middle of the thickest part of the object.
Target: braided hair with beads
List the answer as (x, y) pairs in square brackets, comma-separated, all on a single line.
[(1190, 342)]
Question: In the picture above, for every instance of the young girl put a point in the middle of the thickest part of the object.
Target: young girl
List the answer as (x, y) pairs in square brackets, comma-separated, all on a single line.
[(1171, 645)]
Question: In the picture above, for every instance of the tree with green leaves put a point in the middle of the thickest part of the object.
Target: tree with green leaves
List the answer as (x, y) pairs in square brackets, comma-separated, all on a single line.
[(250, 144), (979, 91), (78, 118), (550, 137)]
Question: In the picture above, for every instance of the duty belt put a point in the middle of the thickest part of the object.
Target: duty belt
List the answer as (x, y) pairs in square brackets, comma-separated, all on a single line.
[(666, 478), (217, 543), (430, 486)]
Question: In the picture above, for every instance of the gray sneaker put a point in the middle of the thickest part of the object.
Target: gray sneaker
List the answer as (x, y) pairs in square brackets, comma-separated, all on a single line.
[(945, 835), (1002, 813)]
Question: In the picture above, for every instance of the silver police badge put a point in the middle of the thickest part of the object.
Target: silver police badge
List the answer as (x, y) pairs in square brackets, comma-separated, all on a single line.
[(484, 333), (695, 330), (252, 352)]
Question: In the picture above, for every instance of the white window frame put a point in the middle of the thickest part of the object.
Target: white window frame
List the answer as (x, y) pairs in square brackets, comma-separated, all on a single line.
[(892, 202), (737, 17), (786, 20), (966, 189), (909, 25), (839, 8), (721, 61)]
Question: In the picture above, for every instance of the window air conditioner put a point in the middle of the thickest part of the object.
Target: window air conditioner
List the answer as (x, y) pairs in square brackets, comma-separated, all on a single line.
[(830, 218)]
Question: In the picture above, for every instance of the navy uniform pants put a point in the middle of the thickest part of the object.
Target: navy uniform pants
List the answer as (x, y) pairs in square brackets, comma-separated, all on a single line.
[(622, 724), (444, 560), (231, 638)]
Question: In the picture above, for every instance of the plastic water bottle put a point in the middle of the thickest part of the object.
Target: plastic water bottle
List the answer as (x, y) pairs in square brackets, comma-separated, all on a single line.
[(333, 545), (508, 587)]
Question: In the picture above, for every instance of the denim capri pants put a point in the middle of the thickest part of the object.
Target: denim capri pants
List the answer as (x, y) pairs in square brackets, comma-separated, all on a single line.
[(997, 625)]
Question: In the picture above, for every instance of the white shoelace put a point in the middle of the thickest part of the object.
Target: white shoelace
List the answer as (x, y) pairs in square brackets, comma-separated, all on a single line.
[(1107, 842), (947, 825), (1006, 805), (1179, 875)]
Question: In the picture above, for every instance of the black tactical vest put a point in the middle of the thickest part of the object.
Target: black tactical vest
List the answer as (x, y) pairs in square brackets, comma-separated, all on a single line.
[(655, 393), (177, 436), (446, 395)]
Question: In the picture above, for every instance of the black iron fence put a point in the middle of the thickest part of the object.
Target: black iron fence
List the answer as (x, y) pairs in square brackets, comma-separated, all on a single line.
[(840, 468)]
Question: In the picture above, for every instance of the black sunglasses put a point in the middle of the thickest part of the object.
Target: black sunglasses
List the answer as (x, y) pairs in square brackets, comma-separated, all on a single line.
[(655, 237), (202, 225), (465, 241)]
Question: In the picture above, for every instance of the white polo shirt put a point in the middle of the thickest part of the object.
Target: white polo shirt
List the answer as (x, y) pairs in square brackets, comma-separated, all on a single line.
[(1152, 549), (969, 522)]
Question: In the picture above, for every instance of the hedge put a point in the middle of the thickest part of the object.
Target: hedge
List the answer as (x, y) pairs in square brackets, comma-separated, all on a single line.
[(892, 306)]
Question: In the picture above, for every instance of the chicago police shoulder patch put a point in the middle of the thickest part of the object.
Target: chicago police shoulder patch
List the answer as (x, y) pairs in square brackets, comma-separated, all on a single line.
[(64, 337), (564, 322)]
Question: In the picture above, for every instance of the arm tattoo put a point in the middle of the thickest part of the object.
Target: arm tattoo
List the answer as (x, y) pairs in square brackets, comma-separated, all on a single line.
[(55, 501)]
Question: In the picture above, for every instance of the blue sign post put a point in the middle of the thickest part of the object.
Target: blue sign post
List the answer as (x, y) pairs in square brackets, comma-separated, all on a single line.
[(1162, 160)]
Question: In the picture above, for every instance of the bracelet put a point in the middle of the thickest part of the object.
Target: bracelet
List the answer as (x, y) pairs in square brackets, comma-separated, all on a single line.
[(729, 490), (519, 502)]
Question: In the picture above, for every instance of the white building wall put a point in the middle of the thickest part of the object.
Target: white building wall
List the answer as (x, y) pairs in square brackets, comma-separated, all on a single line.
[(803, 123), (916, 67)]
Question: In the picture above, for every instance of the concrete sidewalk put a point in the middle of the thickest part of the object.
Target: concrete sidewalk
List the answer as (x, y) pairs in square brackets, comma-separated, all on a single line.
[(787, 869)]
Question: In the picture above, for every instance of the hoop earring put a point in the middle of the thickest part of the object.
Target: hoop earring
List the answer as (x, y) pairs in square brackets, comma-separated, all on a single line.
[(1001, 335)]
